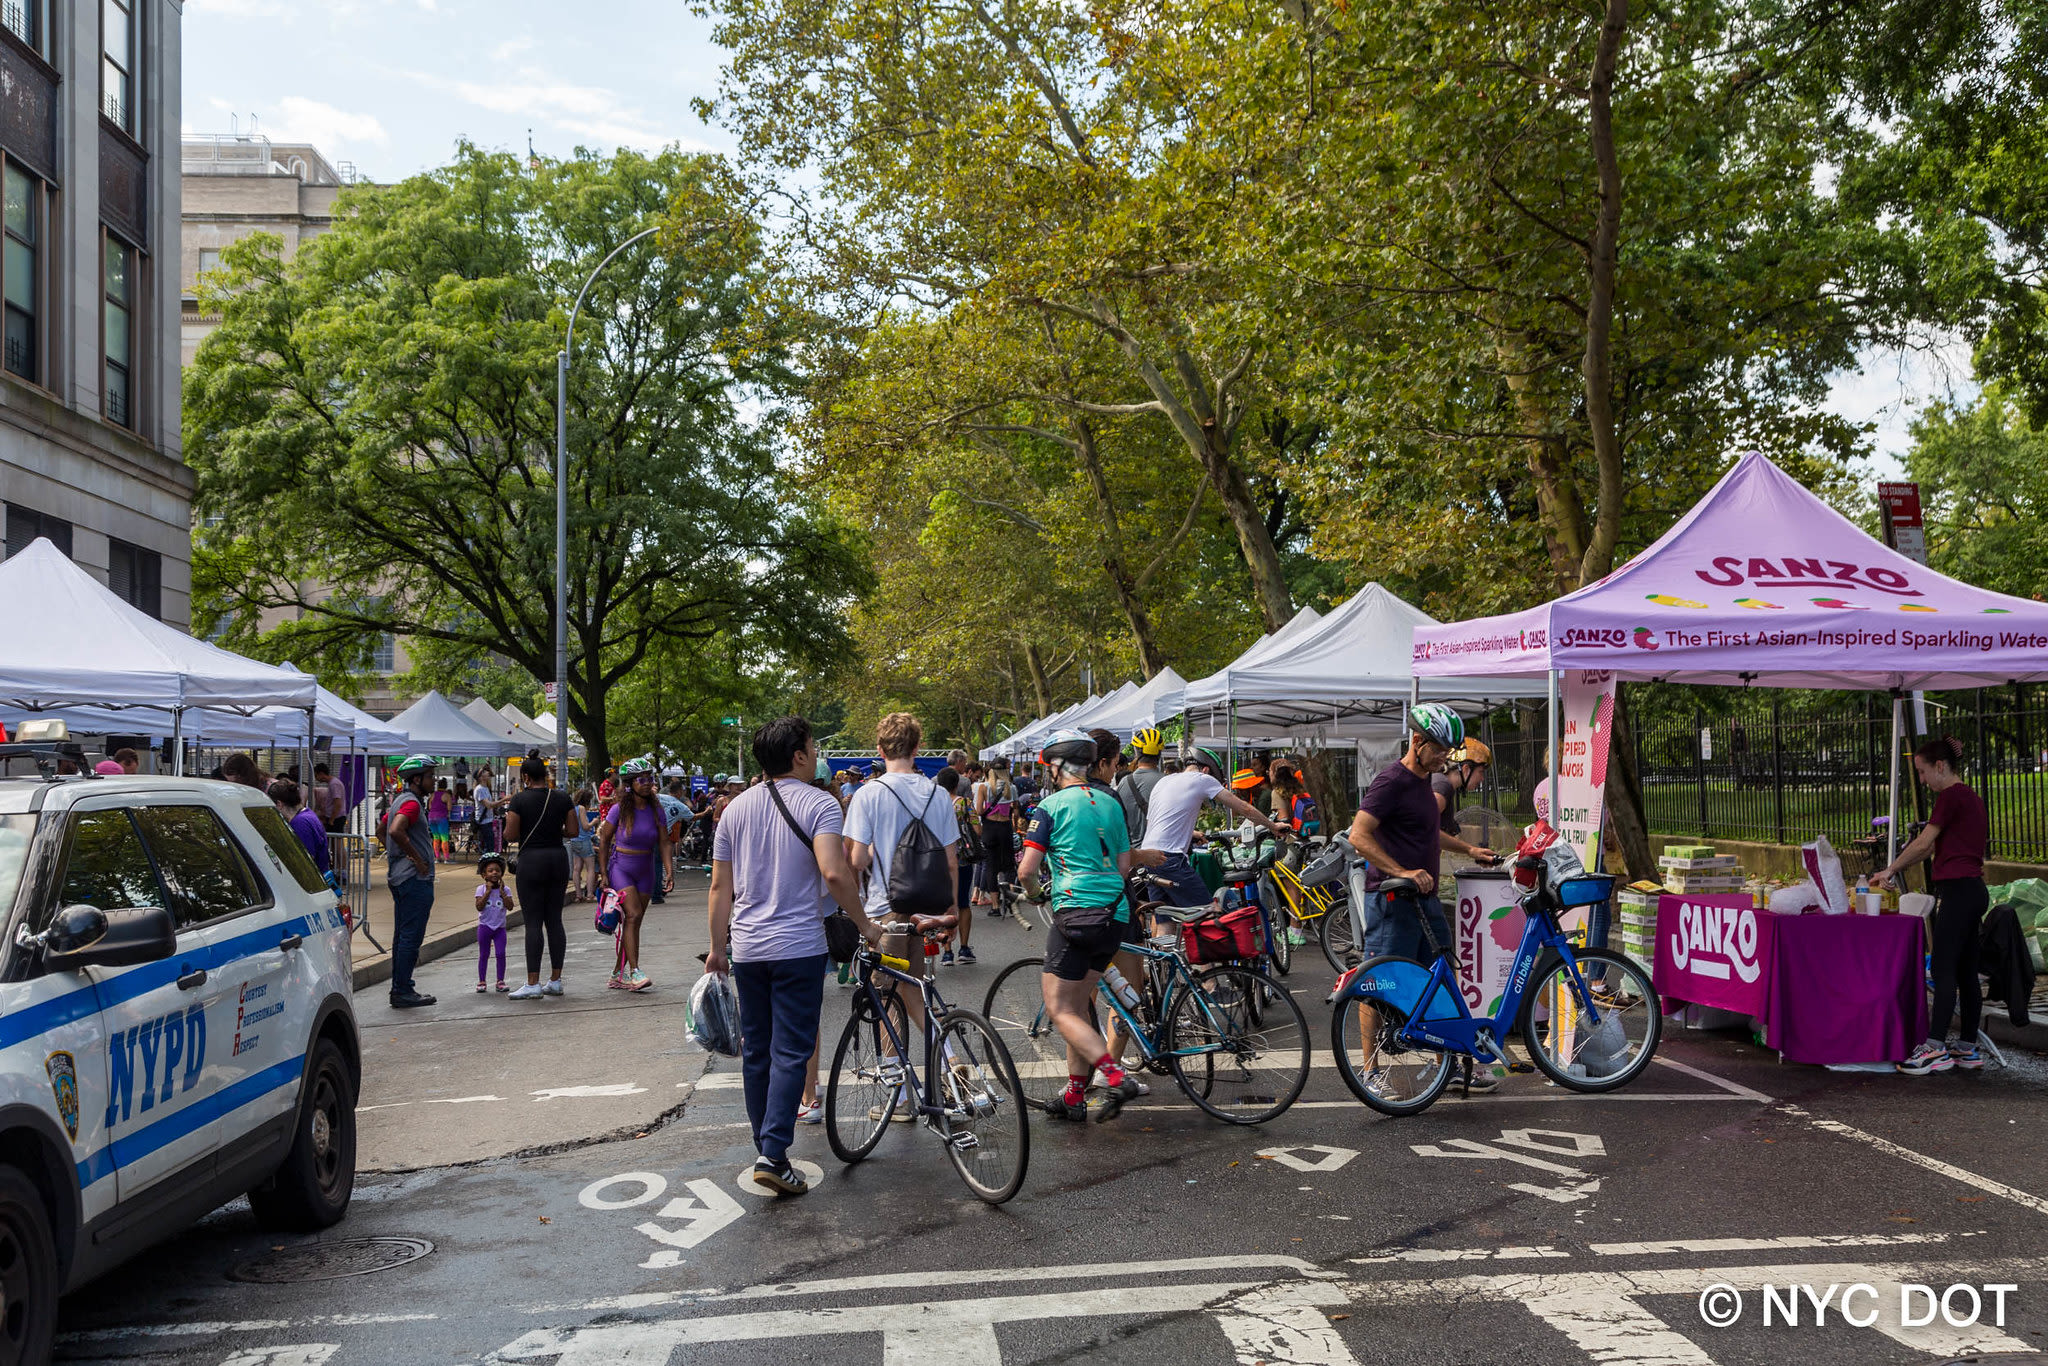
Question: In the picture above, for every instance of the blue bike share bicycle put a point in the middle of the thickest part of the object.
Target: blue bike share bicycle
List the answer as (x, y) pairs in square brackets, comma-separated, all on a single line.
[(1589, 1018)]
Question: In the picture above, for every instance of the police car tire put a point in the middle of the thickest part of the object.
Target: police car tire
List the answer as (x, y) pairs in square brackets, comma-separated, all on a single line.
[(311, 1188), (28, 1271)]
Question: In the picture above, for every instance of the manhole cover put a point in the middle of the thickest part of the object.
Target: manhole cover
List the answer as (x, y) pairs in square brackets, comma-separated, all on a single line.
[(332, 1261)]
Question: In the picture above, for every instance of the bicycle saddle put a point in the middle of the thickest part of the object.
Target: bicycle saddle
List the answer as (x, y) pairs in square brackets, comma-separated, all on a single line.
[(1182, 915), (1398, 886)]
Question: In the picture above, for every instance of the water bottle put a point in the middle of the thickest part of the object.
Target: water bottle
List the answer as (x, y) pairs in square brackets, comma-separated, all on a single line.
[(1121, 988)]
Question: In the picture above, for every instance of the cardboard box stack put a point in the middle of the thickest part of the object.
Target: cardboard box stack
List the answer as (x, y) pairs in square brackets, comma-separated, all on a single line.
[(1635, 922), (1696, 869)]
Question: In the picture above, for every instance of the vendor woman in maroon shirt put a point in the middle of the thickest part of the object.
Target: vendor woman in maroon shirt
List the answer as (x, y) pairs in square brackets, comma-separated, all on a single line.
[(1956, 834)]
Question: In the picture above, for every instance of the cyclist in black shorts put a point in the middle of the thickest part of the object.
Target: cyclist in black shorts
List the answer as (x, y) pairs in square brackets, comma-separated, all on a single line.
[(1080, 831)]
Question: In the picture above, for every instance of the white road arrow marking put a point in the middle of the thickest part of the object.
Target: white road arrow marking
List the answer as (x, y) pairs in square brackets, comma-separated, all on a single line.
[(620, 1088), (1331, 1159), (1564, 1144), (699, 1221), (1486, 1152), (302, 1354)]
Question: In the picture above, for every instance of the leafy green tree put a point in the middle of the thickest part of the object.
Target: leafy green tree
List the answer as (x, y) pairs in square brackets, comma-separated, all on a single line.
[(1983, 474), (372, 428)]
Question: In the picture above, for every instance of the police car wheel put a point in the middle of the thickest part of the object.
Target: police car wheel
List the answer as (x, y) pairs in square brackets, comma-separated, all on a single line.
[(28, 1272), (311, 1189)]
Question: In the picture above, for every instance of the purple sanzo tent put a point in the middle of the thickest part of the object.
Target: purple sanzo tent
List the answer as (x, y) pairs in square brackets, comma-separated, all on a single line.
[(1762, 582)]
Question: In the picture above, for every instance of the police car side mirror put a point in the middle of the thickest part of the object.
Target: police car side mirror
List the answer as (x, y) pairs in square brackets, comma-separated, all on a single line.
[(142, 934), (73, 928)]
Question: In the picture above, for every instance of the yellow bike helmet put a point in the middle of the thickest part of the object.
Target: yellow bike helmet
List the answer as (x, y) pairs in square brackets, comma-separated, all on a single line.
[(1148, 742)]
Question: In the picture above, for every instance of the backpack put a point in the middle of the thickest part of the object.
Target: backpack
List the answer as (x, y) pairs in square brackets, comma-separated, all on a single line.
[(920, 881)]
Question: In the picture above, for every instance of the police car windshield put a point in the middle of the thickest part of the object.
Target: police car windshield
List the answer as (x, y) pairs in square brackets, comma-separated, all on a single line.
[(15, 832)]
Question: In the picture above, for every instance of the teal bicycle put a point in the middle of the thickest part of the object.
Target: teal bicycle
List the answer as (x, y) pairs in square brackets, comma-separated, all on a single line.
[(1230, 1036)]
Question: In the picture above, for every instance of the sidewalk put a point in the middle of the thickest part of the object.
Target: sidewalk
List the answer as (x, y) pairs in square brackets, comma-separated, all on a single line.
[(450, 927)]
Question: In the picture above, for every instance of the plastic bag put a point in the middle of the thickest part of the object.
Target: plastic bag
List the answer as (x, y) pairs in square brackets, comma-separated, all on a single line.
[(713, 1014), (1795, 899), (1824, 866)]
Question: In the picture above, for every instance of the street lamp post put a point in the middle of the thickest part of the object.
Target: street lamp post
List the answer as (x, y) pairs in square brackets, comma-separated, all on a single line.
[(562, 513)]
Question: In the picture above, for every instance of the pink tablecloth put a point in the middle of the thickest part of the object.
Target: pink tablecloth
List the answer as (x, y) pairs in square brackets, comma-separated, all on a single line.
[(1845, 988)]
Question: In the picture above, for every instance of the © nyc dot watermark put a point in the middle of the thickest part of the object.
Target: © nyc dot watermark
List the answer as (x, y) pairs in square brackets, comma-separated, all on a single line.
[(1859, 1304)]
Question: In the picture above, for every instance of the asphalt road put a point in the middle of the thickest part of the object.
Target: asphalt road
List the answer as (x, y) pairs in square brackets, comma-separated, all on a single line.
[(1527, 1226)]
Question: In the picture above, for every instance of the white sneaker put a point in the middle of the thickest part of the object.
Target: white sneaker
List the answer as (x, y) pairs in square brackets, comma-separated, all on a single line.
[(530, 991), (552, 987)]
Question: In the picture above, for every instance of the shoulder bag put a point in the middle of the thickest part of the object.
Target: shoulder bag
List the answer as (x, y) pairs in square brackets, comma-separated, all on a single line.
[(842, 936)]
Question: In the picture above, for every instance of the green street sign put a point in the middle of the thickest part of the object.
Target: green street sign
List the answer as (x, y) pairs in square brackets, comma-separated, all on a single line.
[(728, 720)]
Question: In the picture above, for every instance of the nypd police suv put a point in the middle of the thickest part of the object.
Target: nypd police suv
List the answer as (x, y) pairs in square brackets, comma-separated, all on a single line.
[(175, 1027)]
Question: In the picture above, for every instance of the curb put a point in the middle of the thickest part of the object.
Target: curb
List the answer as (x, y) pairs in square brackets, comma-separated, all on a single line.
[(434, 946)]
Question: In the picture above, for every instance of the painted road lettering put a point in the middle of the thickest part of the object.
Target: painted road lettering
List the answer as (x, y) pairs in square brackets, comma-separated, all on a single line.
[(1328, 1159), (1519, 1146), (701, 1213), (169, 1040)]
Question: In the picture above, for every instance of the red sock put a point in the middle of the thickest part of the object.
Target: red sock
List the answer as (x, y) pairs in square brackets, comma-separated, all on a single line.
[(1077, 1090), (1112, 1075)]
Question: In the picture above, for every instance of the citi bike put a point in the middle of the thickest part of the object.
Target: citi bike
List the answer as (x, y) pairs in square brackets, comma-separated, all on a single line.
[(1589, 1018)]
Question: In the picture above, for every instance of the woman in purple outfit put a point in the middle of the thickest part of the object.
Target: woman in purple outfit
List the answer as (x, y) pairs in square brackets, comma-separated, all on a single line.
[(633, 848)]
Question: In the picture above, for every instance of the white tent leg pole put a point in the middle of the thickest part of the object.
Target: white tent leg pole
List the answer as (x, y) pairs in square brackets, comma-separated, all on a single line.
[(1556, 740), (178, 742), (1891, 827)]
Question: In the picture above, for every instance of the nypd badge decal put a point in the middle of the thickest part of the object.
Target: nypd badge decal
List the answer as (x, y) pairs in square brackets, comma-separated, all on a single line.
[(64, 1085)]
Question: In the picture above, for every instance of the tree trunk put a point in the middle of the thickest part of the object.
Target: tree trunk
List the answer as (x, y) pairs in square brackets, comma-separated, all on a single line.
[(1625, 794), (1261, 556), (1600, 261), (1040, 688), (1150, 660)]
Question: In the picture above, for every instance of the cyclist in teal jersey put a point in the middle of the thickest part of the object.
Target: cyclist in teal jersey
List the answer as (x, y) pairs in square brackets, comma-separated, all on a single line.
[(1080, 831)]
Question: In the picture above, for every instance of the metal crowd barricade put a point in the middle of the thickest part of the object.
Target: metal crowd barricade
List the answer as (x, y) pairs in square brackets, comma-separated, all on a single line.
[(349, 854)]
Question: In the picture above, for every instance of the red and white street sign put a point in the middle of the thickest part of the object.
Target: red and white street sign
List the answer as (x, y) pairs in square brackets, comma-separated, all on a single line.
[(1899, 504)]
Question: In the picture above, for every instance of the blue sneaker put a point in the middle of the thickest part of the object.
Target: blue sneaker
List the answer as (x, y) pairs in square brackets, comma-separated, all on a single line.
[(1969, 1058), (967, 955), (946, 959)]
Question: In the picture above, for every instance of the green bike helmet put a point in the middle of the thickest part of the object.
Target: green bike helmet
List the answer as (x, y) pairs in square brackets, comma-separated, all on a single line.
[(633, 768), (1439, 723), (1204, 757), (416, 763)]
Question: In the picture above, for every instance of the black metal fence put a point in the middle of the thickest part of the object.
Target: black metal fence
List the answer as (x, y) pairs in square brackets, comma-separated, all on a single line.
[(1789, 767)]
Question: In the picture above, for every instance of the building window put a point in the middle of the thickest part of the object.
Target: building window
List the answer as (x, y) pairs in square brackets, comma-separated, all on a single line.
[(25, 524), (209, 262), (136, 576), (117, 71), (384, 655), (23, 218), (120, 329), (28, 21)]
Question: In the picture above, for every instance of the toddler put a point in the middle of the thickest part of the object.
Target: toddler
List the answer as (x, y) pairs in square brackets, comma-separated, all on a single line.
[(493, 904)]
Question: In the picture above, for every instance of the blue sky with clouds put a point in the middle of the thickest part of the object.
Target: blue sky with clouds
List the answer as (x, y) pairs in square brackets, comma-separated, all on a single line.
[(390, 85)]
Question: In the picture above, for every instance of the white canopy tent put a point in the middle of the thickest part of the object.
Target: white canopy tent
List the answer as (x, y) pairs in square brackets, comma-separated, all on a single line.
[(1134, 712), (1085, 719), (437, 726), (1350, 675), (1023, 740), (1171, 703), (68, 644), (526, 728)]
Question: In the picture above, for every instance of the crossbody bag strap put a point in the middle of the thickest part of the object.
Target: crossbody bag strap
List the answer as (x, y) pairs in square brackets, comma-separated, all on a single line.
[(776, 797)]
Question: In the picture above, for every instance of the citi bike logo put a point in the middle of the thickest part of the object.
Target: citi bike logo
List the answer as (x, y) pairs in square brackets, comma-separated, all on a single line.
[(1712, 941)]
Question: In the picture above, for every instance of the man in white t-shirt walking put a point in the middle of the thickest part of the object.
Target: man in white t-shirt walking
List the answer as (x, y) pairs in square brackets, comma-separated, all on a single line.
[(1177, 799), (881, 810)]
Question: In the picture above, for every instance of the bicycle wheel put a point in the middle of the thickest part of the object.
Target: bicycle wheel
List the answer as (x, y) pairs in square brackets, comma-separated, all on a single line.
[(1340, 942), (865, 1080), (1564, 1042), (1277, 922), (987, 1134), (1015, 1009), (1241, 1071), (1393, 1077)]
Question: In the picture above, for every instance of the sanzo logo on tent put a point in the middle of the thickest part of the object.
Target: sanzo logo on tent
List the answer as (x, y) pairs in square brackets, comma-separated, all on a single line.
[(1712, 940)]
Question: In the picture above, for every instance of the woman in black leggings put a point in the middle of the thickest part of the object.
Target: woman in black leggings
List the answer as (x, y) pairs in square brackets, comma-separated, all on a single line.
[(538, 820), (1957, 835)]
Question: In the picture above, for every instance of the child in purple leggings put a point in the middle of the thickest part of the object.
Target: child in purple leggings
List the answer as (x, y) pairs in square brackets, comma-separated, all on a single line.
[(493, 903)]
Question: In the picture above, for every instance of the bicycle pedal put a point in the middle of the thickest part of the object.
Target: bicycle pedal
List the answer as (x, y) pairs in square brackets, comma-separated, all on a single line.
[(1520, 1068)]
